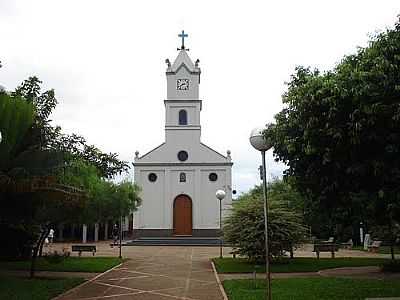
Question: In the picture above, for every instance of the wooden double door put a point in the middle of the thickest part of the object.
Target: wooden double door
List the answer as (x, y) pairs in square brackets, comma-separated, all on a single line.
[(183, 215)]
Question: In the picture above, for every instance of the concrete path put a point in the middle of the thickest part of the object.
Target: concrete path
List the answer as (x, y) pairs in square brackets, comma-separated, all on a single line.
[(156, 273), (354, 272)]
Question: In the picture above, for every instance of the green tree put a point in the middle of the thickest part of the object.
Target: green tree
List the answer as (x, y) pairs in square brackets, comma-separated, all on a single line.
[(27, 192), (106, 200), (339, 135), (46, 136), (244, 228), (33, 156)]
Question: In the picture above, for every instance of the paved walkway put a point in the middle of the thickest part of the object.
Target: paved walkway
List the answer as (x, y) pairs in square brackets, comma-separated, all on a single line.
[(354, 272), (156, 273), (169, 272)]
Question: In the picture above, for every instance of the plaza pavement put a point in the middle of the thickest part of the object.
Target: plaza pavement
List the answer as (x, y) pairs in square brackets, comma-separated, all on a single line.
[(170, 272), (153, 273)]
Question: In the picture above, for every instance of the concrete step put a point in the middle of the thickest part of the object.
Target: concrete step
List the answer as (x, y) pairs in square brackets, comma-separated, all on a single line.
[(174, 241)]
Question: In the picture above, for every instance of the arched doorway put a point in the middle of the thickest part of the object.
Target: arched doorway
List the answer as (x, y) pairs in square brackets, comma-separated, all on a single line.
[(183, 215)]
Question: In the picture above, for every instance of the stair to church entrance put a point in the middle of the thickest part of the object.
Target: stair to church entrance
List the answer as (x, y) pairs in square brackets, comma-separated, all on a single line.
[(174, 241)]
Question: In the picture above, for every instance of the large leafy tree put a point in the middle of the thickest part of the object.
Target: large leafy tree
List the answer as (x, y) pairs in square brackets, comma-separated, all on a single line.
[(34, 158), (29, 198), (47, 136), (106, 200), (339, 135)]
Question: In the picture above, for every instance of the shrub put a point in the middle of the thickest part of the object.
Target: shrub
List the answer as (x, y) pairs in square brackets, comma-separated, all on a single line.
[(56, 257), (244, 228), (392, 266)]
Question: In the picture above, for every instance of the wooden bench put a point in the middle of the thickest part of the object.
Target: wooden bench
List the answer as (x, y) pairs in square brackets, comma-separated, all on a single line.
[(374, 246), (326, 247), (84, 248), (348, 244)]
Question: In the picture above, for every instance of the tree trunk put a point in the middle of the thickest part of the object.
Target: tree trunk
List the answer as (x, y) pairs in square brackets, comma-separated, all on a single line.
[(84, 233), (36, 250), (60, 232), (106, 231), (391, 239), (96, 232)]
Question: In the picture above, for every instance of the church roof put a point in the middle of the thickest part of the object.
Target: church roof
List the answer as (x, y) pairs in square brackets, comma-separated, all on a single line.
[(181, 60)]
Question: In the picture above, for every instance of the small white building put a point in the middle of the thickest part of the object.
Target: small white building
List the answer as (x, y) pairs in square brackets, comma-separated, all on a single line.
[(179, 178)]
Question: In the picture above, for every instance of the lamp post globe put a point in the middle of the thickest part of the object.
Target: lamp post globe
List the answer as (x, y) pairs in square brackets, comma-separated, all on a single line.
[(258, 141), (220, 194)]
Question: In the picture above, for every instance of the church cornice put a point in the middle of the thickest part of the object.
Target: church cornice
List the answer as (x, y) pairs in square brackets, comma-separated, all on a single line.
[(172, 164), (159, 146), (183, 127), (181, 101), (183, 65), (208, 147)]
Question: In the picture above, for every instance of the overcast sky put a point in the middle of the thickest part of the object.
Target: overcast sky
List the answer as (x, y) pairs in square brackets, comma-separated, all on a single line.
[(105, 60)]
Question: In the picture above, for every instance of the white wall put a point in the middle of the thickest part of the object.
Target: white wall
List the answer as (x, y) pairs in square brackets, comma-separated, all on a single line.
[(156, 211), (193, 91)]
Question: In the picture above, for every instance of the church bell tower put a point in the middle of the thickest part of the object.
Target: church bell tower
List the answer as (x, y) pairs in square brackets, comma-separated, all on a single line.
[(180, 176), (183, 106)]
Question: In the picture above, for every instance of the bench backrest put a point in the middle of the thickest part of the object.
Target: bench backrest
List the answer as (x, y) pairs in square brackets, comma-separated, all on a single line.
[(326, 247), (83, 248), (376, 243)]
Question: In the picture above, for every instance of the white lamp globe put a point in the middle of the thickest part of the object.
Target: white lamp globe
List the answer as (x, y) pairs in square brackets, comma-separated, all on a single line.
[(220, 194), (257, 139)]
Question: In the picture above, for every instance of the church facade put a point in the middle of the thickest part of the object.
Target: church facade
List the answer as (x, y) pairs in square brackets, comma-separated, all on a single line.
[(179, 178)]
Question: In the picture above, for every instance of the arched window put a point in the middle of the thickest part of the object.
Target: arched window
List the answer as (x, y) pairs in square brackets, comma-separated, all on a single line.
[(182, 177), (182, 117)]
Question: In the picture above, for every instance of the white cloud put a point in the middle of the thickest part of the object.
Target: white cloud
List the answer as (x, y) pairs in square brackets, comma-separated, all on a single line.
[(105, 60)]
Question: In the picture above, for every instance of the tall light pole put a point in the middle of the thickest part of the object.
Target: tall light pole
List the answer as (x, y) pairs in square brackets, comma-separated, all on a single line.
[(220, 194), (259, 143), (120, 235), (120, 228)]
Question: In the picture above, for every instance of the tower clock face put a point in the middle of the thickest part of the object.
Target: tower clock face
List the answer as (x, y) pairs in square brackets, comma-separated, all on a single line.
[(182, 84)]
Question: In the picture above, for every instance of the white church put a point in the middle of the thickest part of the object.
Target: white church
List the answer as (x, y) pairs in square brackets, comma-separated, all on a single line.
[(179, 178)]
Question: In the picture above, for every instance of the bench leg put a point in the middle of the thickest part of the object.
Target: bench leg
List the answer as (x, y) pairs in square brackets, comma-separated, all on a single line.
[(317, 254), (93, 252), (333, 254), (80, 253)]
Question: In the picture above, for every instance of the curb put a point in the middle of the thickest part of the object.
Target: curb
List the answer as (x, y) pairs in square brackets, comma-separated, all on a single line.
[(85, 283), (219, 282)]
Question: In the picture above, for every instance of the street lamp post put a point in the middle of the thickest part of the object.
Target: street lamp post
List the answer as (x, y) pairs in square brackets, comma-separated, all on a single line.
[(259, 143), (120, 235), (220, 194)]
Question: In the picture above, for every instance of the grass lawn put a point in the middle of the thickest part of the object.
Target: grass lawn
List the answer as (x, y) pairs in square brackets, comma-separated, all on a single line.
[(312, 288), (301, 264), (382, 249), (70, 264), (35, 289)]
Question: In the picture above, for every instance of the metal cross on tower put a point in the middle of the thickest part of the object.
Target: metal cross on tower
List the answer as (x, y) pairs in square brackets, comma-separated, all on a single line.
[(183, 35)]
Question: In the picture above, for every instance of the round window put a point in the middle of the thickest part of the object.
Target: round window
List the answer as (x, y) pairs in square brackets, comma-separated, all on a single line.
[(152, 177), (183, 155), (213, 177)]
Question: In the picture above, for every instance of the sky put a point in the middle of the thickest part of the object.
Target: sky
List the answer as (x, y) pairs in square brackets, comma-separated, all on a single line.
[(105, 60)]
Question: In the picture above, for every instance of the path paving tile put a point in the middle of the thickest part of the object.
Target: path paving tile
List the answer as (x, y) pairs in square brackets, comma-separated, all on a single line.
[(155, 273), (173, 272)]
